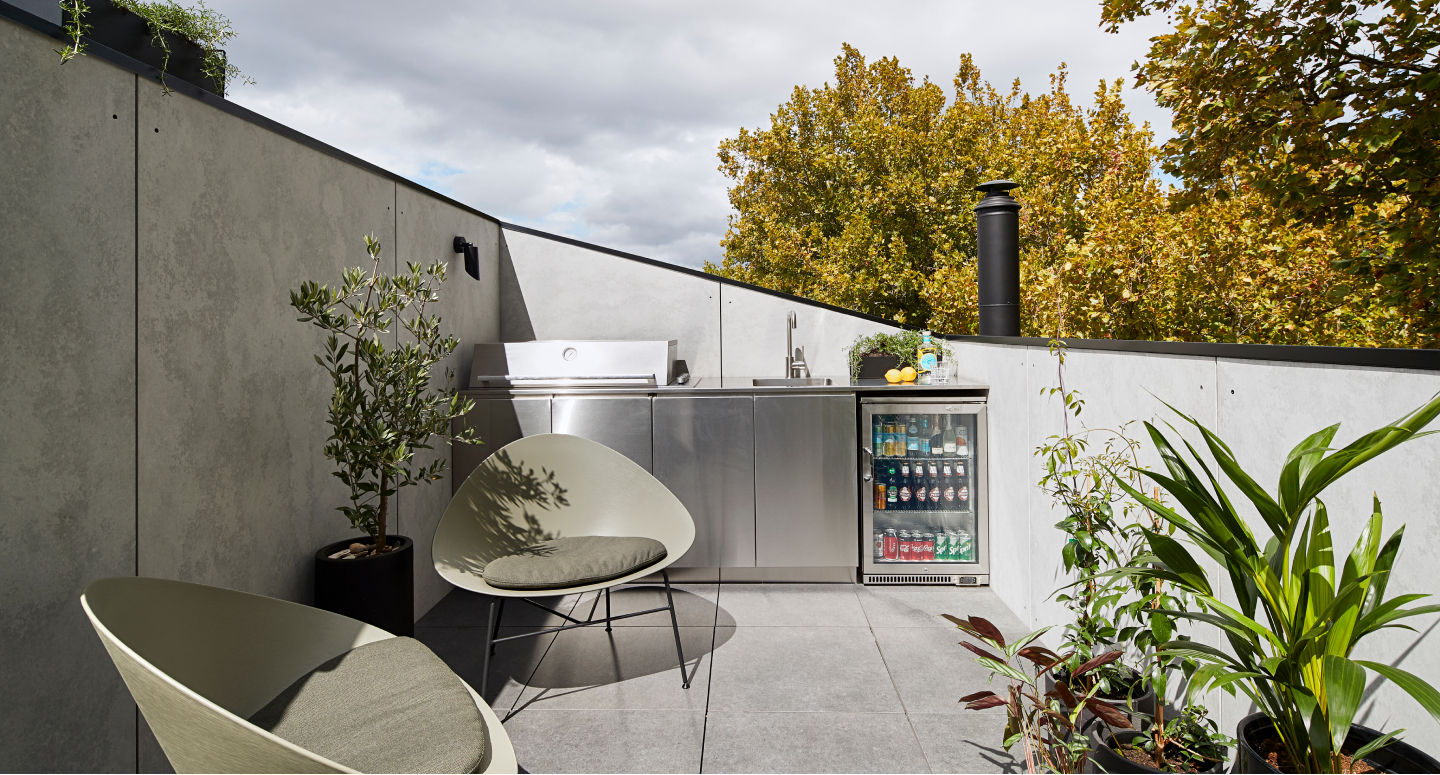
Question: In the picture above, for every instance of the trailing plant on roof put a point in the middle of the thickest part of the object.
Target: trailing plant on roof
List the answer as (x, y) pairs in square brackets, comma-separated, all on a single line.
[(1296, 618), (384, 407), (208, 29)]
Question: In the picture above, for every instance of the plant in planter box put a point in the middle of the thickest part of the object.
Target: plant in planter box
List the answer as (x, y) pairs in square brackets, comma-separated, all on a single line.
[(1047, 723), (384, 407), (167, 21), (1297, 618), (902, 345)]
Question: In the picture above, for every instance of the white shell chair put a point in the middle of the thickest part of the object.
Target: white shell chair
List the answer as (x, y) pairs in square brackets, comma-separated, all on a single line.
[(200, 660), (509, 503)]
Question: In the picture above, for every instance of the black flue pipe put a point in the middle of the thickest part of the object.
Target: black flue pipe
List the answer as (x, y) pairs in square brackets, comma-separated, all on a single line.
[(997, 237)]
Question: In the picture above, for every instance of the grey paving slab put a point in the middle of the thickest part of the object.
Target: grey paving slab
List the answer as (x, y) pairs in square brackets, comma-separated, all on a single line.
[(630, 668), (836, 669), (462, 648), (793, 605), (921, 606), (970, 742), (930, 669), (695, 605), (811, 742), (607, 740)]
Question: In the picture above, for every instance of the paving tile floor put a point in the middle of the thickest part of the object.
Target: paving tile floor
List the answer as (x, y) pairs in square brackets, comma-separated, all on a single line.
[(788, 678)]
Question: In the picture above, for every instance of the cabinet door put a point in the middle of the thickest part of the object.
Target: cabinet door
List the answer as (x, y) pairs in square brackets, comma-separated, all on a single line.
[(806, 512), (705, 453), (497, 421), (621, 423)]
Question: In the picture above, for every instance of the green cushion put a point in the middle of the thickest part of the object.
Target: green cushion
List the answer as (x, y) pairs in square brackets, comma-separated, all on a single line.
[(573, 562), (387, 706)]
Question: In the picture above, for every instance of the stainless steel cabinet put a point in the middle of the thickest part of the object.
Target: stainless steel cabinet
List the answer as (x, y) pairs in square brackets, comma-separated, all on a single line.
[(497, 421), (805, 492), (704, 451), (621, 423)]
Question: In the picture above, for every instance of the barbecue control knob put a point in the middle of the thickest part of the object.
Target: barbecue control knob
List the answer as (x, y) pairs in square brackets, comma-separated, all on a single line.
[(569, 354)]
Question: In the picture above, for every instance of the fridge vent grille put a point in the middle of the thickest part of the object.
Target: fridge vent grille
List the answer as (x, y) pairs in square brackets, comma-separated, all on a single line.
[(964, 581)]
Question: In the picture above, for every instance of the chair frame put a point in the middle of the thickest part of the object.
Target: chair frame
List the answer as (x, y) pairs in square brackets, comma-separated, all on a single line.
[(461, 547)]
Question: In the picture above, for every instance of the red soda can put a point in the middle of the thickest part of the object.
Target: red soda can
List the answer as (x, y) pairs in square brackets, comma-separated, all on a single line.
[(927, 548), (892, 545), (904, 546)]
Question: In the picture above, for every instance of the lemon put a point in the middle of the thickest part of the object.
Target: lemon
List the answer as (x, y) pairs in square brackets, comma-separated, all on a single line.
[(907, 374), (892, 375)]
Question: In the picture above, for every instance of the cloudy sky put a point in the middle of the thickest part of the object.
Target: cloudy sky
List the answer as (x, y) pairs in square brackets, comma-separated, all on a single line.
[(600, 120)]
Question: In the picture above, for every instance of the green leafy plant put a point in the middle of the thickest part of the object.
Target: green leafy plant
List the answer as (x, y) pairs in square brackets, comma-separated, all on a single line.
[(901, 344), (206, 28), (1047, 723), (383, 408), (1297, 664), (1189, 742)]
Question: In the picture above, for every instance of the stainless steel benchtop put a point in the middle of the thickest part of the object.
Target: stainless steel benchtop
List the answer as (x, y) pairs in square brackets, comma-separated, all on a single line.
[(744, 386)]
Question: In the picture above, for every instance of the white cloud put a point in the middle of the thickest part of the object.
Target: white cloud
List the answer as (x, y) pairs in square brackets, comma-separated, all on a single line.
[(600, 120)]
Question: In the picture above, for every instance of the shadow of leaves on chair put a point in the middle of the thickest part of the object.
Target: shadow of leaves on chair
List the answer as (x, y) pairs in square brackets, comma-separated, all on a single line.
[(502, 498)]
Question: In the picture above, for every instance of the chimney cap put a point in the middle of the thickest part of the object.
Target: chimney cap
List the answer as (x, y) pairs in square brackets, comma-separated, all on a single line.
[(997, 187)]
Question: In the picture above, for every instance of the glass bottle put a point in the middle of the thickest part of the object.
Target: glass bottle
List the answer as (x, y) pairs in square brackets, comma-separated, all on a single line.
[(948, 439)]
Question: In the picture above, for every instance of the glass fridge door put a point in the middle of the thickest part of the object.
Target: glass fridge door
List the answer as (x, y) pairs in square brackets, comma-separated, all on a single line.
[(926, 507)]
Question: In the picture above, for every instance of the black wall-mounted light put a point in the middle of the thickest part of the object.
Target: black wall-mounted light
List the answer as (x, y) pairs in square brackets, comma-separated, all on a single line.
[(472, 256)]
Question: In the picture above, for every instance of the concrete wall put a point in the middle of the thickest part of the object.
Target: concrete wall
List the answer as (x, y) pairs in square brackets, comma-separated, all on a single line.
[(1262, 409), (163, 414), (555, 290)]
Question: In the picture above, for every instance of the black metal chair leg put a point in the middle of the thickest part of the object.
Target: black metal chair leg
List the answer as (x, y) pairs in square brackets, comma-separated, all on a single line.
[(489, 648), (495, 623), (607, 609), (675, 625)]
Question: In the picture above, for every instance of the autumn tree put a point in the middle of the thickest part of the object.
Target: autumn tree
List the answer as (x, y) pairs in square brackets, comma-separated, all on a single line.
[(861, 194), (1330, 109)]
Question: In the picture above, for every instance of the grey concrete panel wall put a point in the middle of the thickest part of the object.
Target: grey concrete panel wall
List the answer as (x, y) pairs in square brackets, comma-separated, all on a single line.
[(470, 311), (568, 292), (234, 488), (753, 327), (67, 388)]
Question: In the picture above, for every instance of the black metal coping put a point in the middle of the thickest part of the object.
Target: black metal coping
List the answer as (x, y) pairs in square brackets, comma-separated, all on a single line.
[(1426, 360), (99, 51)]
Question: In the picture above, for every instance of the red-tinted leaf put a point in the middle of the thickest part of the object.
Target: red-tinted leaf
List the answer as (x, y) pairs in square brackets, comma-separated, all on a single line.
[(1108, 713), (981, 652), (988, 630), (1103, 659), (988, 702), (976, 696), (1062, 689), (1040, 655)]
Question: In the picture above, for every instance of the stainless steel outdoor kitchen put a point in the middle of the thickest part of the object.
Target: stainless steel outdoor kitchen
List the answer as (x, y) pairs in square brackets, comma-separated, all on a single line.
[(797, 478)]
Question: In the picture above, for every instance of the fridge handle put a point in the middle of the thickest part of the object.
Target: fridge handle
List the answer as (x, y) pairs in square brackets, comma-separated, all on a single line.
[(868, 460)]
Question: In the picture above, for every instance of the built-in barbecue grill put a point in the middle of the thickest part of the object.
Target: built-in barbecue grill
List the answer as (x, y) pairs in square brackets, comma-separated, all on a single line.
[(573, 363)]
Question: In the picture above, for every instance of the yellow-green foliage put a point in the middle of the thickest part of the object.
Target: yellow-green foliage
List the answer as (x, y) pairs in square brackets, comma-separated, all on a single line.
[(860, 194)]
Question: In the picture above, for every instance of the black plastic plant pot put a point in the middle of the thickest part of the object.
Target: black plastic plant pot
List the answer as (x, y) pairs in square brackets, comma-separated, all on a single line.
[(875, 366), (1104, 757), (1398, 756), (129, 34), (376, 590)]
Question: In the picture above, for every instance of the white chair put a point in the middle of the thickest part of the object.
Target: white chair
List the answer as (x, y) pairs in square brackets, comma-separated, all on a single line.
[(200, 660), (557, 486)]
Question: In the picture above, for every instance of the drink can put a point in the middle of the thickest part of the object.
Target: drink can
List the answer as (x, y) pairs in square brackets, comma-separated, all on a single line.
[(904, 546), (879, 544), (892, 545), (942, 545), (927, 547)]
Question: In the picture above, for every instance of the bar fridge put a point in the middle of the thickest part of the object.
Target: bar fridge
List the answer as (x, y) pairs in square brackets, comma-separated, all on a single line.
[(924, 475)]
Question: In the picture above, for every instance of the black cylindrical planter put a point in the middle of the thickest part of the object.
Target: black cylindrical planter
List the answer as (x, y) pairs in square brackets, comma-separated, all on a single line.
[(1398, 756), (1104, 757), (375, 590), (997, 237)]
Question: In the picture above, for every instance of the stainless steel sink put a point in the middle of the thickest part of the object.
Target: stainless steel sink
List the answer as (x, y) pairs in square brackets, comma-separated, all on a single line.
[(793, 382)]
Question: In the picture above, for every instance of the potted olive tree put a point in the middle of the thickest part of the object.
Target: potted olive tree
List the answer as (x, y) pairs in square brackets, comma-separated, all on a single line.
[(383, 409), (1296, 618)]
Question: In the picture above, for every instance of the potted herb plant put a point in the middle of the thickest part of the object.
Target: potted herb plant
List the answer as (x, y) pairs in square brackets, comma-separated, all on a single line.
[(383, 409), (871, 356), (1296, 618)]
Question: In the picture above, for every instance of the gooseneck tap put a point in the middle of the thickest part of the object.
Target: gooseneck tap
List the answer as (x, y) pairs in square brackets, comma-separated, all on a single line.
[(795, 365)]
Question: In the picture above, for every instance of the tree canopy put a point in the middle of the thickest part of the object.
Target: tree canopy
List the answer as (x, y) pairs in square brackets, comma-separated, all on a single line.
[(861, 194), (1327, 108)]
